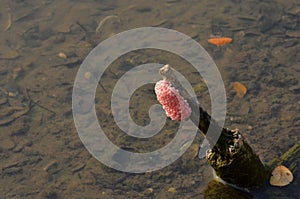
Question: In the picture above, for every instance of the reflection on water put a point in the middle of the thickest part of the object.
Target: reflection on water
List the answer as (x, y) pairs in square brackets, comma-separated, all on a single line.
[(41, 153)]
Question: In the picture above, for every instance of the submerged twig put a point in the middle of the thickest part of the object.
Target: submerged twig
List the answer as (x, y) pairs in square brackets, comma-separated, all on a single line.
[(8, 23), (103, 21), (102, 87), (113, 73), (37, 103), (81, 26)]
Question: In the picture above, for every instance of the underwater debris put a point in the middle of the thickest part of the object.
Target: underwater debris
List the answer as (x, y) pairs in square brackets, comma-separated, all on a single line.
[(103, 21), (240, 89), (62, 55), (281, 176), (219, 41), (231, 154), (8, 23)]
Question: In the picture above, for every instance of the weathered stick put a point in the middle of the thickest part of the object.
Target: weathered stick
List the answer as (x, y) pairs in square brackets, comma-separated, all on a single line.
[(231, 157)]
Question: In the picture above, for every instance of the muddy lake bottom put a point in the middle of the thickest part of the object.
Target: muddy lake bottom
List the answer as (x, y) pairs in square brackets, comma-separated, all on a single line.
[(43, 44)]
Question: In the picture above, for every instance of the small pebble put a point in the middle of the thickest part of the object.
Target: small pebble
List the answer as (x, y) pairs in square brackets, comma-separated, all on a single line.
[(172, 190), (87, 75), (241, 34), (11, 94), (150, 190), (249, 127), (62, 55)]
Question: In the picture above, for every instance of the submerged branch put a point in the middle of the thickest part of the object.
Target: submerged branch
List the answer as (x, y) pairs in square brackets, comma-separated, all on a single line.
[(231, 157)]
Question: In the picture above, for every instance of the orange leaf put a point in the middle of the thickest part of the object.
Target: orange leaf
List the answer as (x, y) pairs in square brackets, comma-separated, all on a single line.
[(219, 41), (240, 89)]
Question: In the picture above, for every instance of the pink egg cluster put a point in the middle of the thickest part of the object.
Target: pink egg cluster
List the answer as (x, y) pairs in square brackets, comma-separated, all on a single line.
[(173, 103)]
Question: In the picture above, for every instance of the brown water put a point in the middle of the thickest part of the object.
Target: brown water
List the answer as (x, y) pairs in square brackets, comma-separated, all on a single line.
[(41, 155)]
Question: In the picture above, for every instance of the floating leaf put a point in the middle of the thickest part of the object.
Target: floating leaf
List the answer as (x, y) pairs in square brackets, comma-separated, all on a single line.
[(281, 176), (240, 89), (219, 41)]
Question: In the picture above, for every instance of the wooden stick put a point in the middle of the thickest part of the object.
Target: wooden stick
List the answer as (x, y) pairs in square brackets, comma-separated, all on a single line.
[(231, 157)]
